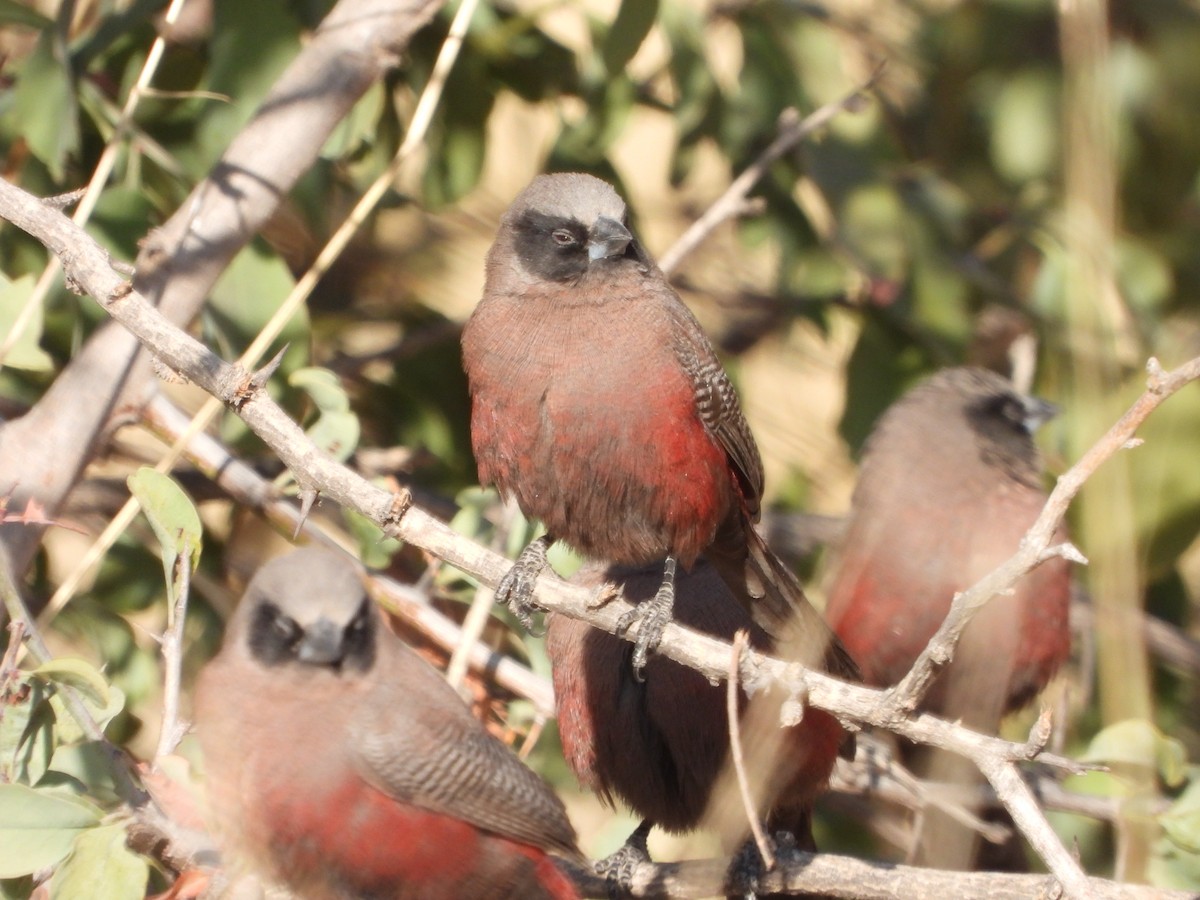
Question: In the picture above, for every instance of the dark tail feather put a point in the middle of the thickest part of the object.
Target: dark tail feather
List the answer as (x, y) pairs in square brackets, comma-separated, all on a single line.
[(775, 600)]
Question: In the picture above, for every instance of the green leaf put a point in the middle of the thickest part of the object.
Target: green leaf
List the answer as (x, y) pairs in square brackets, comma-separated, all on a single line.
[(13, 13), (473, 504), (68, 729), (172, 515), (44, 112), (1145, 276), (323, 386), (246, 297), (375, 549), (337, 430), (25, 353), (1025, 126), (1131, 742), (1172, 762), (1174, 868), (38, 828), (1136, 742), (873, 223), (90, 764), (1182, 821), (632, 24), (336, 433), (101, 867), (27, 736), (78, 674), (359, 127), (251, 45), (1099, 784)]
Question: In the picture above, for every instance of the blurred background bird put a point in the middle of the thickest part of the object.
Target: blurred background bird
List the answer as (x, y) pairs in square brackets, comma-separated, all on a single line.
[(950, 482), (341, 765)]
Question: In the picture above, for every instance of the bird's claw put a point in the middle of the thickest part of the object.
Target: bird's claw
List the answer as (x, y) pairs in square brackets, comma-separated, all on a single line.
[(652, 616), (746, 869), (618, 868), (516, 588)]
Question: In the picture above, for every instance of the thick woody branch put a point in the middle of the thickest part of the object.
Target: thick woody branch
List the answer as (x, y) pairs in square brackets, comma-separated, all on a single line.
[(43, 452), (355, 44), (801, 874), (87, 264), (797, 873)]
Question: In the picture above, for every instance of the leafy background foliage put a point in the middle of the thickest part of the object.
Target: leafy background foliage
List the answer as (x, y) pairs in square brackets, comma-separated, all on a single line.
[(881, 250)]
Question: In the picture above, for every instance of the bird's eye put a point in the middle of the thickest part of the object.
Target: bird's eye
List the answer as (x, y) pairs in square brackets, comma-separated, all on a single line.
[(1012, 411), (563, 238), (288, 630)]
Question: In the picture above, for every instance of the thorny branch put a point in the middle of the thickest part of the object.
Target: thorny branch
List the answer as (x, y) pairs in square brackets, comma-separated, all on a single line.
[(868, 775), (414, 137), (252, 490), (87, 264), (43, 452), (826, 874)]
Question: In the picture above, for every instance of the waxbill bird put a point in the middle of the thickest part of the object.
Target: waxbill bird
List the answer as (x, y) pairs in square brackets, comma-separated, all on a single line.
[(341, 765), (599, 405), (661, 745), (949, 483)]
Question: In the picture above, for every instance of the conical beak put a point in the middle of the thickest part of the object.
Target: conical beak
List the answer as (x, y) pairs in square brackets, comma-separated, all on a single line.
[(1037, 413), (321, 644), (607, 238)]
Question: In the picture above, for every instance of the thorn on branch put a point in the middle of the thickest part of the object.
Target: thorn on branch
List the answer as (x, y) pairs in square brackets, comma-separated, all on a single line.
[(1066, 550), (605, 594), (1039, 734), (249, 385), (308, 496), (62, 202), (263, 375), (1156, 383), (401, 503)]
